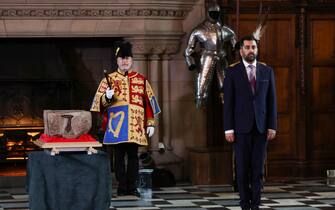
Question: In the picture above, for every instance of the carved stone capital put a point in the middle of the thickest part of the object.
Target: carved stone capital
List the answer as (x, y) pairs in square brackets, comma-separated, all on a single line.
[(59, 13), (163, 45), (176, 9)]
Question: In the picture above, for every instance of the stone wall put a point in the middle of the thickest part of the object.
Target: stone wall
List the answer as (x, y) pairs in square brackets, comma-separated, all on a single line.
[(159, 31)]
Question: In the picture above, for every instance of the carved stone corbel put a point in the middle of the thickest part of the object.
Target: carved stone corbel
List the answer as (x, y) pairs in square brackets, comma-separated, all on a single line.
[(153, 45)]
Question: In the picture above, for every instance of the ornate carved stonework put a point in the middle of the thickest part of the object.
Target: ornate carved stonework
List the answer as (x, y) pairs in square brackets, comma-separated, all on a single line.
[(156, 45), (176, 9), (8, 13), (98, 18)]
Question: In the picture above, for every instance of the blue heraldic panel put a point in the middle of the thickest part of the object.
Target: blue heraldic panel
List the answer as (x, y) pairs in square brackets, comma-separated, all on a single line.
[(154, 105), (117, 126)]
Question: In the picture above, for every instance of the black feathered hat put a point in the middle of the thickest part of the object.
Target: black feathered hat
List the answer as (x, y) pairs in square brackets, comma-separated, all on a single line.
[(123, 49)]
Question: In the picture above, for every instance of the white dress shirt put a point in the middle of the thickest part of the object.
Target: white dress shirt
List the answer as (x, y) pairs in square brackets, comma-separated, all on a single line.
[(246, 64)]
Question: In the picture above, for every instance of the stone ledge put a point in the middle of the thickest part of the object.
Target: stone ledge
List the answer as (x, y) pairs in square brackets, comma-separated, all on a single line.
[(92, 9), (36, 18)]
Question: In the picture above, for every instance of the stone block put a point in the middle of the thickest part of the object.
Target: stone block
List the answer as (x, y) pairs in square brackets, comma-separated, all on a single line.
[(67, 123)]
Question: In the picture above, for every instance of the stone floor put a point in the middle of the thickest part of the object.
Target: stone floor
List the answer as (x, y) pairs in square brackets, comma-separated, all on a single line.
[(298, 195)]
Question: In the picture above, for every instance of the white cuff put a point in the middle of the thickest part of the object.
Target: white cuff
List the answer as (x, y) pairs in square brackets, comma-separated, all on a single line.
[(229, 131)]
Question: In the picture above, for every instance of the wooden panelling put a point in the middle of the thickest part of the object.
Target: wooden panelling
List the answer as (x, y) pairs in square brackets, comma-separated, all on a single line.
[(277, 44), (247, 25), (322, 109), (323, 92), (284, 125), (282, 146), (254, 4), (323, 41), (322, 100), (323, 1), (321, 112), (299, 44), (284, 102), (211, 166), (264, 1), (323, 145)]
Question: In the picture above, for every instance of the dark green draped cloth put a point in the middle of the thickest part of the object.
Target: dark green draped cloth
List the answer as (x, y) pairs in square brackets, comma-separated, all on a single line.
[(69, 181)]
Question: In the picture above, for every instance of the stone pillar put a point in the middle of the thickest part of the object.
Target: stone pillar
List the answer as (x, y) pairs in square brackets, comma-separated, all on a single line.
[(154, 77), (151, 58), (165, 129), (141, 64)]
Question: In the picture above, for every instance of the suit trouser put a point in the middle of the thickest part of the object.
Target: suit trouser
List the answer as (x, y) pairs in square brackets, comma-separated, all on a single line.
[(126, 176), (250, 150)]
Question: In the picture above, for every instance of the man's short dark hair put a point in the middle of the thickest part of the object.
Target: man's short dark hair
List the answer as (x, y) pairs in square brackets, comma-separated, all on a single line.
[(247, 38)]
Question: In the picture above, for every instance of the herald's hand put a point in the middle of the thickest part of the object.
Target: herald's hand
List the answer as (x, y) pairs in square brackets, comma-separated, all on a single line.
[(271, 134), (109, 93), (230, 137), (150, 131)]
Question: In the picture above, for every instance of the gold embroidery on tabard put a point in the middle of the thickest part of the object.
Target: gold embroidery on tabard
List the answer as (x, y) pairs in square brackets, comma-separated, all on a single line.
[(95, 107), (150, 122), (136, 125), (149, 91), (136, 99), (103, 87), (120, 86), (138, 81), (138, 89), (95, 104)]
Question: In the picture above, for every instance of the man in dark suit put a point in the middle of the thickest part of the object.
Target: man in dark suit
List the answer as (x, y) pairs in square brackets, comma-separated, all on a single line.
[(250, 119)]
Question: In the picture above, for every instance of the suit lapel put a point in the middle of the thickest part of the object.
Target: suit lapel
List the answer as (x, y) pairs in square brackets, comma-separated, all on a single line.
[(258, 76)]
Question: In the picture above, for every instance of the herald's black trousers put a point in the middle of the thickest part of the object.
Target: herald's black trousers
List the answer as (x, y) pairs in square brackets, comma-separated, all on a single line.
[(126, 174), (250, 150)]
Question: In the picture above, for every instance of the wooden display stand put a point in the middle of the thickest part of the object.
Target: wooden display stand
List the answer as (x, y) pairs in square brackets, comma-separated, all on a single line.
[(70, 181), (57, 147)]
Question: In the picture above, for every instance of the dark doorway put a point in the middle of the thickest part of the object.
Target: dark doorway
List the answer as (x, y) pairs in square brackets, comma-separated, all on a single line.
[(44, 73)]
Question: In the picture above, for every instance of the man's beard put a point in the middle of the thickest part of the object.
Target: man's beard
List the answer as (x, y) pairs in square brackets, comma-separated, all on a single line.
[(250, 57)]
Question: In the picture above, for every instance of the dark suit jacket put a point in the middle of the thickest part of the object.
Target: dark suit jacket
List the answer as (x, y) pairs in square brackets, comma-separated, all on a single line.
[(241, 107)]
